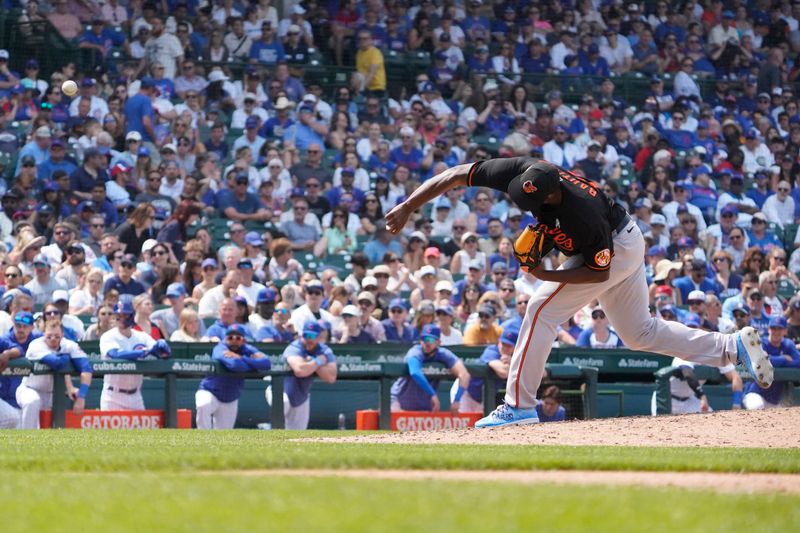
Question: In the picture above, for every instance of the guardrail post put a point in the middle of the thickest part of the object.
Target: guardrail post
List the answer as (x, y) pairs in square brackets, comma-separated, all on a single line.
[(489, 392), (59, 400), (663, 394), (590, 394), (385, 404), (276, 412), (170, 401)]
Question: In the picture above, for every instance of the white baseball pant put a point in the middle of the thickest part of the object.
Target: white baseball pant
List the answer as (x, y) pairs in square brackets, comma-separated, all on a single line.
[(31, 402), (212, 413), (753, 401), (294, 417), (467, 403), (680, 407), (119, 401), (624, 298), (10, 416)]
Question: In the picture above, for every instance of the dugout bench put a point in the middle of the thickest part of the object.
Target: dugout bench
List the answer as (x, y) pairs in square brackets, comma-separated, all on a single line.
[(171, 370)]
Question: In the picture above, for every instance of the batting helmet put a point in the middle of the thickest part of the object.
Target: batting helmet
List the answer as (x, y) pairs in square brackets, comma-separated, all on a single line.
[(529, 189)]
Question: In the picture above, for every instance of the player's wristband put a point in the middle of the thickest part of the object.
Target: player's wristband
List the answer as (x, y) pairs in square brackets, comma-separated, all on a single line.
[(459, 393), (83, 390), (699, 392), (319, 361), (737, 398)]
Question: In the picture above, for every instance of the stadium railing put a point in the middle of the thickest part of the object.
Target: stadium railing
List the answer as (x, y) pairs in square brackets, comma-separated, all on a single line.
[(170, 370)]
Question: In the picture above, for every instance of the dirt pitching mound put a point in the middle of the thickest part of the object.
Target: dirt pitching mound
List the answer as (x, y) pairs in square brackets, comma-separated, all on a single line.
[(773, 428)]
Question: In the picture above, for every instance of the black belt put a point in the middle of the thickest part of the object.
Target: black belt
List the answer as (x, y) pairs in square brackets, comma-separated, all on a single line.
[(622, 225), (123, 391), (680, 398)]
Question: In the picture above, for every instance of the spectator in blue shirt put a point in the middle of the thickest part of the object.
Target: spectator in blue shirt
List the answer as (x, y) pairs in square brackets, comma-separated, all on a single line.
[(592, 64), (475, 25), (307, 130), (83, 178), (396, 37), (495, 118), (165, 86), (416, 392), (123, 282), (397, 326), (217, 399), (599, 334), (268, 50), (36, 148), (678, 138), (704, 195), (139, 111), (381, 244), (56, 160), (535, 60), (758, 318), (760, 235), (100, 40), (696, 280), (760, 190), (407, 154), (239, 204), (8, 78), (480, 62)]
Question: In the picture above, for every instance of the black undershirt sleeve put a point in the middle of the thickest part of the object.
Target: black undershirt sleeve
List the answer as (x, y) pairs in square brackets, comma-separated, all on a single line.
[(498, 173), (687, 374)]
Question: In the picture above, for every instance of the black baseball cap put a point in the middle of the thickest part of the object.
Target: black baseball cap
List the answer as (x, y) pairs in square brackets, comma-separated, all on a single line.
[(529, 189)]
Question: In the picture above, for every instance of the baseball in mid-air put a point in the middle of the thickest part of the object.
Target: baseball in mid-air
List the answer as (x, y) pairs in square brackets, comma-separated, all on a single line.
[(69, 87)]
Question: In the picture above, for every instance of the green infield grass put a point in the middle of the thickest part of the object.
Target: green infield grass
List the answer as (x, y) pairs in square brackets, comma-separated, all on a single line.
[(172, 480), (154, 502), (181, 450)]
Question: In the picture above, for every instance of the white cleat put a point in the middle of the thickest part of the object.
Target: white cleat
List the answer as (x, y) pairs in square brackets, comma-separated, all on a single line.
[(753, 357)]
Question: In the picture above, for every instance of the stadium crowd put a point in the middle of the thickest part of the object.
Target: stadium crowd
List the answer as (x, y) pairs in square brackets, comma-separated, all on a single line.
[(200, 115)]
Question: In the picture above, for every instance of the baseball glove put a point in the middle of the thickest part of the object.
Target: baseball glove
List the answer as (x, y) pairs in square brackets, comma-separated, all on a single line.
[(532, 245)]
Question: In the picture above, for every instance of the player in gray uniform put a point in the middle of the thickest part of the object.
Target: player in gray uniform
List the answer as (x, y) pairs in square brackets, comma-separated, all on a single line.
[(686, 391), (605, 252)]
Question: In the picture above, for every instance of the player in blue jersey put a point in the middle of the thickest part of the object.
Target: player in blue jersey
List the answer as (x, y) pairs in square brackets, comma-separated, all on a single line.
[(418, 393), (217, 399), (13, 345), (307, 357), (782, 353), (498, 358)]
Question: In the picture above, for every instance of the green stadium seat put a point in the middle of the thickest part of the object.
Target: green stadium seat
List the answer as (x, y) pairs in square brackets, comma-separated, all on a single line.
[(789, 233), (786, 289)]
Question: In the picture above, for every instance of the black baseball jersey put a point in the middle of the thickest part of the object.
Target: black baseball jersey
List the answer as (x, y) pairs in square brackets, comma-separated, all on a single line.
[(581, 224)]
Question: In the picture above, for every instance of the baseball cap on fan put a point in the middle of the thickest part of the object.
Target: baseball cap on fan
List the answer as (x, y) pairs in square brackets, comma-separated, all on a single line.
[(529, 189)]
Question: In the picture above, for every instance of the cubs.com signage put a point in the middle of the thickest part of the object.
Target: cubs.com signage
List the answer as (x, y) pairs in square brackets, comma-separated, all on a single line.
[(90, 419), (417, 420)]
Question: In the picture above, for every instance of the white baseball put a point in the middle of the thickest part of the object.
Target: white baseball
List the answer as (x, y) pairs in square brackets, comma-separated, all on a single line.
[(69, 87)]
